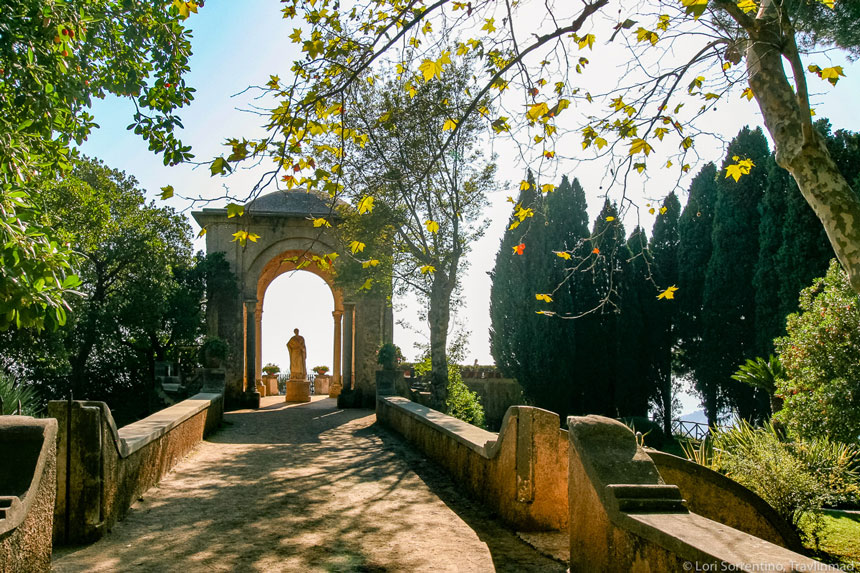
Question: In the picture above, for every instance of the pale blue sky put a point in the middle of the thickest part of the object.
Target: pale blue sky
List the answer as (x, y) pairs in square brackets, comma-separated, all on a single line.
[(238, 44)]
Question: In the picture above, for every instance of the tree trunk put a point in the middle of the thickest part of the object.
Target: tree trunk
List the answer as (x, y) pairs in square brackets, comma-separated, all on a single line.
[(801, 150), (439, 317)]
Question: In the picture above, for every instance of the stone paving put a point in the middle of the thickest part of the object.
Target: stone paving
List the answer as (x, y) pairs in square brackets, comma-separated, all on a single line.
[(305, 487)]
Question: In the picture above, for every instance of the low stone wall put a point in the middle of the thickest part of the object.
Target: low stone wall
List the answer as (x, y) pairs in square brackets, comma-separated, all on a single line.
[(101, 471), (497, 395), (624, 517), (27, 477), (520, 473), (713, 495)]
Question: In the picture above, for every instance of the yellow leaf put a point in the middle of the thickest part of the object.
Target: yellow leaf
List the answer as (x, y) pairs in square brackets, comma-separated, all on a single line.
[(610, 219), (742, 167), (563, 254), (234, 210), (828, 3), (432, 226), (489, 25), (166, 192), (668, 294), (747, 93), (365, 205), (366, 285), (537, 110), (639, 145), (587, 40), (643, 35), (640, 167), (663, 210), (748, 6), (669, 164), (651, 210), (695, 7), (660, 132), (548, 188), (356, 247), (430, 69), (449, 125), (524, 185), (599, 142), (202, 232), (543, 297), (321, 222), (370, 263), (428, 269)]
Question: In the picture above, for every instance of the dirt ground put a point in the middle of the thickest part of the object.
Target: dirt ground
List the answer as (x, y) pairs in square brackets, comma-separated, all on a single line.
[(305, 488)]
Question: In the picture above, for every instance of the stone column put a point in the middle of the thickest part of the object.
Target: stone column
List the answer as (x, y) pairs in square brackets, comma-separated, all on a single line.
[(252, 397), (258, 343), (348, 345), (338, 342)]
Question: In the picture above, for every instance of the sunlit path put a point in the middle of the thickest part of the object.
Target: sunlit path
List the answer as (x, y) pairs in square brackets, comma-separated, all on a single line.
[(305, 488)]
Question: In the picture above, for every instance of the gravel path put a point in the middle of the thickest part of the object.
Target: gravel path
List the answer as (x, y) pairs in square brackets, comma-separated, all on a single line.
[(305, 488)]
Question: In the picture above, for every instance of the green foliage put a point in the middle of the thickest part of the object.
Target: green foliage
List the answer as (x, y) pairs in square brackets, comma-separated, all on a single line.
[(271, 368), (12, 393), (821, 387), (143, 294), (760, 373), (462, 403), (389, 355), (54, 57), (758, 459), (796, 478)]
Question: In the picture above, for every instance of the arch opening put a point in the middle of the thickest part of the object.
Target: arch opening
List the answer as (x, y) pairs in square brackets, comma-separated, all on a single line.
[(300, 300)]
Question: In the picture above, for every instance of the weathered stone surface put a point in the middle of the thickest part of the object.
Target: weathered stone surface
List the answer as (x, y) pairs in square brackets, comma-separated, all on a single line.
[(609, 471), (520, 473), (27, 493), (111, 468), (298, 391)]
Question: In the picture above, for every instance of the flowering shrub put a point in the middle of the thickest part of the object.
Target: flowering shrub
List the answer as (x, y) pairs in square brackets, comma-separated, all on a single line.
[(271, 368), (320, 370)]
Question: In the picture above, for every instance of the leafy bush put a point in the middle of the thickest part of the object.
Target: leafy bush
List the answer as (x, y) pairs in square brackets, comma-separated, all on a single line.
[(11, 392), (462, 403), (389, 355), (821, 357), (796, 478)]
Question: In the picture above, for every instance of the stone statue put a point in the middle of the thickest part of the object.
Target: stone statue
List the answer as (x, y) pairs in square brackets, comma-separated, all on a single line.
[(298, 355)]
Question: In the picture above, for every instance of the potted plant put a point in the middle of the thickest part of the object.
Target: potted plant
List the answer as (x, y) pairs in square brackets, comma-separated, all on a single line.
[(320, 370), (389, 356), (213, 352), (271, 369)]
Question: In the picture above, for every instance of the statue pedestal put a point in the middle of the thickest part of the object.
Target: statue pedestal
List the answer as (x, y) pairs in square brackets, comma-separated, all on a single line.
[(322, 385), (270, 381), (298, 391)]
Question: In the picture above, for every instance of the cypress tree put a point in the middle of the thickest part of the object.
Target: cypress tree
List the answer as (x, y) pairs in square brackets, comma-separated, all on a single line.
[(663, 314), (634, 351), (728, 312), (599, 296), (769, 315), (695, 227), (539, 350)]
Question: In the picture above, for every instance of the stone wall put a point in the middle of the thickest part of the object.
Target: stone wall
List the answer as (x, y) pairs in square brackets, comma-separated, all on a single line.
[(27, 490), (520, 473), (497, 395), (101, 471), (624, 517)]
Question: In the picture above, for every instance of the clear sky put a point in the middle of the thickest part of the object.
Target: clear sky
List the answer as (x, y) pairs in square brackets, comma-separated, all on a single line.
[(239, 44)]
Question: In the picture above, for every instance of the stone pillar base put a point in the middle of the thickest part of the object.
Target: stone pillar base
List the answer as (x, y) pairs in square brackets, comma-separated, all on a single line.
[(298, 391), (261, 388), (335, 388), (251, 400)]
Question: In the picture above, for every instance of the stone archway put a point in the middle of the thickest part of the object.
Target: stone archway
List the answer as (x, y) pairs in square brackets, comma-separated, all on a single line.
[(287, 240)]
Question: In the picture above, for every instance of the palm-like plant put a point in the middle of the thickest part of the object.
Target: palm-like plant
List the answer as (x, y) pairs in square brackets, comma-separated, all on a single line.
[(761, 373)]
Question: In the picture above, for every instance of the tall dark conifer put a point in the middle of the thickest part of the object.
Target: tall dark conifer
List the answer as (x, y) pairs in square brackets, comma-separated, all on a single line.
[(663, 319), (729, 297), (769, 318), (695, 227)]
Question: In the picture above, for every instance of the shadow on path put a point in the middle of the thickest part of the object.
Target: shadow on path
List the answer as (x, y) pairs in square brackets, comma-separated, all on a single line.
[(305, 488)]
